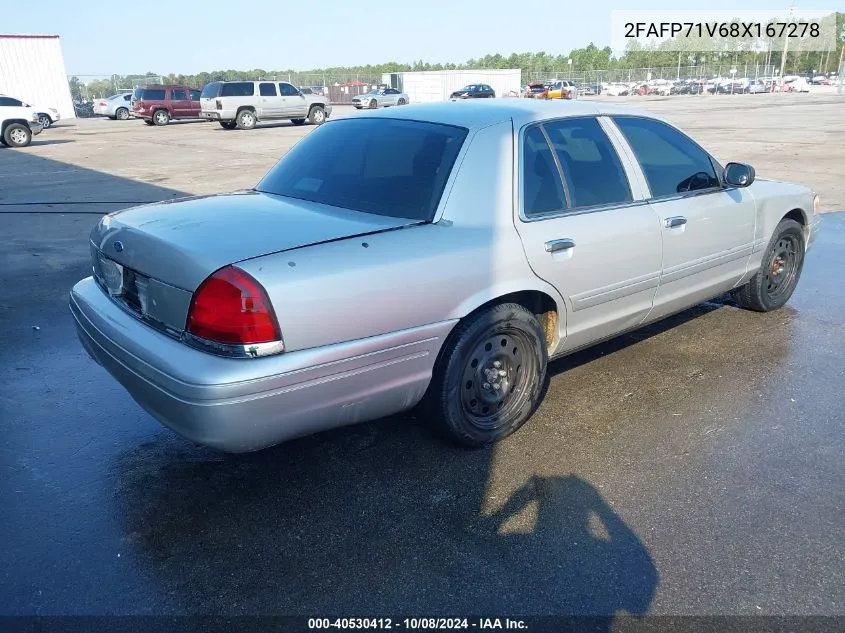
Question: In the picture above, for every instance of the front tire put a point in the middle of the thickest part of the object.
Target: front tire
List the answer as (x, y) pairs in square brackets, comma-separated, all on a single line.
[(298, 121), (121, 114), (401, 102), (148, 122), (491, 375), (45, 120), (317, 116), (161, 117), (246, 120), (228, 125), (17, 135), (373, 104), (772, 286)]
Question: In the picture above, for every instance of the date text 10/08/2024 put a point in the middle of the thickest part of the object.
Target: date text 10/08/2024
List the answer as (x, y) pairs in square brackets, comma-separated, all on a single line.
[(723, 29), (412, 624)]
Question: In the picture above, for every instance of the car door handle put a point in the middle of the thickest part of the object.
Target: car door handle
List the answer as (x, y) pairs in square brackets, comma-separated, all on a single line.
[(554, 246), (671, 223)]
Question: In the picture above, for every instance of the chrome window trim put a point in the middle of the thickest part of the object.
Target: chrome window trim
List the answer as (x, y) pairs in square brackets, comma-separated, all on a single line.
[(611, 121), (550, 215)]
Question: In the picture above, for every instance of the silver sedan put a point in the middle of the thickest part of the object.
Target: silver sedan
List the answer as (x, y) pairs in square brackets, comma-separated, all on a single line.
[(440, 253), (380, 98), (114, 107)]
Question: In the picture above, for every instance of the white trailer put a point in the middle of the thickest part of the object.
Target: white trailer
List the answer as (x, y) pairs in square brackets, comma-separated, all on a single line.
[(436, 85), (32, 69)]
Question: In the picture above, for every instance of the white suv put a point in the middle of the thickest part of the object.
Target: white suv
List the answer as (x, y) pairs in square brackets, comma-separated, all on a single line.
[(18, 122), (242, 104)]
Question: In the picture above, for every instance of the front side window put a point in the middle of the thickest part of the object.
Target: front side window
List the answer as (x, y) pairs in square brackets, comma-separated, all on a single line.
[(672, 163), (288, 90), (592, 169), (267, 90), (388, 167)]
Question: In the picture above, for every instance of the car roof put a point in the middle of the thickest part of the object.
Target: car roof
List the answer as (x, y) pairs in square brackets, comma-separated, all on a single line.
[(477, 113)]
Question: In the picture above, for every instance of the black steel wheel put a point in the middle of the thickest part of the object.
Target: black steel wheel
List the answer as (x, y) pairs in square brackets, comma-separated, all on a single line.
[(772, 286), (490, 376)]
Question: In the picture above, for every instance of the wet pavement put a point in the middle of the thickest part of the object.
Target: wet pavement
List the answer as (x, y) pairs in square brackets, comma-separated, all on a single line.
[(695, 467)]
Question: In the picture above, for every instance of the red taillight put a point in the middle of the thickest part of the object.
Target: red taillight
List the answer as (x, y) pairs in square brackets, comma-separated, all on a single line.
[(102, 103), (232, 307)]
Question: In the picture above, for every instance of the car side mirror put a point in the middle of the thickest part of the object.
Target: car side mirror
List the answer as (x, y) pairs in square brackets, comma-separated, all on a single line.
[(738, 174)]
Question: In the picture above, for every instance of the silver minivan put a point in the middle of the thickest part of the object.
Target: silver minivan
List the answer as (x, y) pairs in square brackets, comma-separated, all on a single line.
[(242, 104)]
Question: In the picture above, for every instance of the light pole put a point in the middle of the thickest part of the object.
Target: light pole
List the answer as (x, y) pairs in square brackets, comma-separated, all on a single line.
[(785, 47)]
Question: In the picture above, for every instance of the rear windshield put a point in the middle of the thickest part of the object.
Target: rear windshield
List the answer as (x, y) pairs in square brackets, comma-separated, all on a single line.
[(238, 89), (152, 94), (210, 90), (388, 167)]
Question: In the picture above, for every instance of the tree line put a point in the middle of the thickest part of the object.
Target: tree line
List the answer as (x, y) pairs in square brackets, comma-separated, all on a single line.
[(736, 51)]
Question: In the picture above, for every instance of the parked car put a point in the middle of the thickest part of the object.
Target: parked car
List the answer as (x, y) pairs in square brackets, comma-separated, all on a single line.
[(46, 116), (158, 105), (380, 97), (562, 90), (19, 122), (758, 87), (114, 107), (520, 267), (243, 104), (799, 84), (537, 90), (474, 91)]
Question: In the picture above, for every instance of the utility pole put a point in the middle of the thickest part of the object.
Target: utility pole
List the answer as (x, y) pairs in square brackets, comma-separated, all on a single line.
[(786, 46)]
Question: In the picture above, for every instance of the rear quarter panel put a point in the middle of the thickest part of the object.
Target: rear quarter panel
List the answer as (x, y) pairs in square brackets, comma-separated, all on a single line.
[(361, 287)]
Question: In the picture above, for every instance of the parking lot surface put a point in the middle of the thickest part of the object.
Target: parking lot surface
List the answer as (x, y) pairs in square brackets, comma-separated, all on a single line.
[(694, 467)]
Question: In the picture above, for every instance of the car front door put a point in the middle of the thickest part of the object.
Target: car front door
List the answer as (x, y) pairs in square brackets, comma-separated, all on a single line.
[(270, 104), (294, 104), (708, 228), (585, 228)]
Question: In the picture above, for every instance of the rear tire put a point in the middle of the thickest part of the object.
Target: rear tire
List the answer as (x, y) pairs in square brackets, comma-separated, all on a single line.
[(490, 376), (373, 104), (161, 117), (228, 125), (148, 122), (245, 120), (401, 102), (121, 114), (17, 135), (772, 286), (316, 116), (298, 121)]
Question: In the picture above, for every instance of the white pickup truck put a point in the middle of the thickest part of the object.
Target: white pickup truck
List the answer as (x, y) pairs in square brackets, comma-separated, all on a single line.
[(18, 123)]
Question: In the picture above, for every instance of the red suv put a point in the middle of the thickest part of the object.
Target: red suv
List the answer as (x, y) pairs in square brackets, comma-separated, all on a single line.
[(157, 105)]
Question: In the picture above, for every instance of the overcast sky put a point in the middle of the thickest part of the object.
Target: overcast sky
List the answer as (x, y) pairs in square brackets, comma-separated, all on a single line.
[(106, 37)]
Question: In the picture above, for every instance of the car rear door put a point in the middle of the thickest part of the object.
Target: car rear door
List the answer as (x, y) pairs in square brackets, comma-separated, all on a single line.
[(585, 228), (270, 104), (194, 107), (179, 104), (708, 229)]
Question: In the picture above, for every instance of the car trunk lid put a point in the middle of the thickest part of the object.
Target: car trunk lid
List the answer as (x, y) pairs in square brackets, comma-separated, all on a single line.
[(182, 242)]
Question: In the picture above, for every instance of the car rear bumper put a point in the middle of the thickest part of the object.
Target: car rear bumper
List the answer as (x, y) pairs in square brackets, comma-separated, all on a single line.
[(240, 405)]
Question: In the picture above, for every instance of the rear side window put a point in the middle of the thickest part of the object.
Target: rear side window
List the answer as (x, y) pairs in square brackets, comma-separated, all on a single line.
[(9, 102), (139, 93), (542, 189), (267, 90), (592, 169), (210, 90), (153, 94), (238, 89), (388, 167), (195, 95), (672, 162), (178, 95)]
